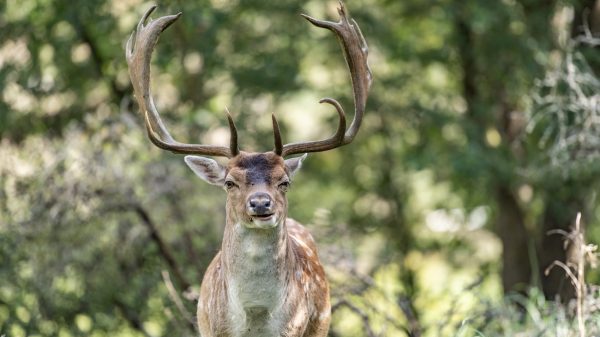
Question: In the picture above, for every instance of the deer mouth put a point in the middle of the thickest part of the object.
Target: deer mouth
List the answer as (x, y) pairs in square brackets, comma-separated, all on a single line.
[(262, 217), (263, 221)]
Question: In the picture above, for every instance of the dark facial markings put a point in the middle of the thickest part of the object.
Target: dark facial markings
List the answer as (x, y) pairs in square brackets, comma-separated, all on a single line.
[(258, 169)]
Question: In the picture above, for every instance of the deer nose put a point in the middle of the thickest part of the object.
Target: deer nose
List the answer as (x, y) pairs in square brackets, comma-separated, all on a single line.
[(260, 203)]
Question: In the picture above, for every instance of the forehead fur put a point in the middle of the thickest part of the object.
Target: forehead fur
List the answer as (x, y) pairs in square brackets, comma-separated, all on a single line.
[(258, 167)]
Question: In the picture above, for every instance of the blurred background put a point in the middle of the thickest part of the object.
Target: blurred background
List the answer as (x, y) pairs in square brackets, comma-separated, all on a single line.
[(480, 144)]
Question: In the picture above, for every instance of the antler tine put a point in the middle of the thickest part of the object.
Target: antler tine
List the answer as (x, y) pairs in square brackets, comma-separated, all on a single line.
[(314, 146), (138, 53), (277, 136), (356, 53), (233, 140)]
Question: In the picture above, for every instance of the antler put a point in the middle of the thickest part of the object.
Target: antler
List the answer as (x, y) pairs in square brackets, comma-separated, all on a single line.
[(138, 53), (355, 52)]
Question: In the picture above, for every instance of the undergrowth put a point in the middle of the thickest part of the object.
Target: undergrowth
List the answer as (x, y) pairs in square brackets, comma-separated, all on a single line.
[(533, 315)]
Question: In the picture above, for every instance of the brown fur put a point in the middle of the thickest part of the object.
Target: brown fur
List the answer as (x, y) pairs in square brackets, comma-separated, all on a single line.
[(298, 279)]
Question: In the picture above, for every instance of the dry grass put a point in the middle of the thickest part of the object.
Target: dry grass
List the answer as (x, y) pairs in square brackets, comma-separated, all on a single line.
[(533, 315)]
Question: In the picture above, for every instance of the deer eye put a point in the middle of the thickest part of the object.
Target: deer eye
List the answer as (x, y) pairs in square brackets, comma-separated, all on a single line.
[(229, 185), (284, 186)]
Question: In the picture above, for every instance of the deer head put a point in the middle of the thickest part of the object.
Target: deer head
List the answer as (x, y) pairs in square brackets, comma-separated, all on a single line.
[(255, 182)]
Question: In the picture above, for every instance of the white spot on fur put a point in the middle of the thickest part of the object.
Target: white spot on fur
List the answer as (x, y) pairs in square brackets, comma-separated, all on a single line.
[(300, 317), (324, 315), (304, 246)]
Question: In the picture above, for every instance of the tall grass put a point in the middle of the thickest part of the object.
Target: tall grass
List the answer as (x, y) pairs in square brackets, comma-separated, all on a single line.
[(533, 315)]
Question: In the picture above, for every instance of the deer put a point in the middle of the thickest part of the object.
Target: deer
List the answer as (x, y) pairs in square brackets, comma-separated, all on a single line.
[(267, 279)]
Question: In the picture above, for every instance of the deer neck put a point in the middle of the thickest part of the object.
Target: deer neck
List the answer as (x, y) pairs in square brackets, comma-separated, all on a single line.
[(253, 261)]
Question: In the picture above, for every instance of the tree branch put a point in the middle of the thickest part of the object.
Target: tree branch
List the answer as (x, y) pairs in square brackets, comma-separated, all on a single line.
[(363, 316), (155, 236), (131, 317), (174, 295)]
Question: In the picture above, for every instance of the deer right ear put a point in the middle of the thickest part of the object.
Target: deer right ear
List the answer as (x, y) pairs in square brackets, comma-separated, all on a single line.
[(294, 164), (207, 169)]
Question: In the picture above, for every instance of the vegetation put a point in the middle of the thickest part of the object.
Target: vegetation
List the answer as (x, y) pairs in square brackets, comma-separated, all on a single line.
[(481, 139)]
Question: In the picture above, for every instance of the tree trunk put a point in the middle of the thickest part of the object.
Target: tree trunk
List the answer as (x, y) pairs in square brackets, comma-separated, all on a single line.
[(560, 213), (510, 227), (510, 223)]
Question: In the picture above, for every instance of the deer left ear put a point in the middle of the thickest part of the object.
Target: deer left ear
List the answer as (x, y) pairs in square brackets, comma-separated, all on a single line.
[(293, 164), (207, 169)]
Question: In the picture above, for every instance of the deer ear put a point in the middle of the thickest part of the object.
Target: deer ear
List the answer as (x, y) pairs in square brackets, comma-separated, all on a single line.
[(207, 169), (294, 164)]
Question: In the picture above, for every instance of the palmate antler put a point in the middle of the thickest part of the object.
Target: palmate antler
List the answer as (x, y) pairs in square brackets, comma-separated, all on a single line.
[(355, 52), (139, 52)]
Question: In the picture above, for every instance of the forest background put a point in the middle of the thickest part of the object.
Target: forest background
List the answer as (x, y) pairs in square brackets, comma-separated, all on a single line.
[(480, 144)]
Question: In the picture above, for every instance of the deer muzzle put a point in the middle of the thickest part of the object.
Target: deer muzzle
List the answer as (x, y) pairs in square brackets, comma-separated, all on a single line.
[(261, 209), (260, 204)]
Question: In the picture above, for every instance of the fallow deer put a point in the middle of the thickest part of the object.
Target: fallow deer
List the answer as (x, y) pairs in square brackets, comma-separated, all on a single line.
[(267, 279)]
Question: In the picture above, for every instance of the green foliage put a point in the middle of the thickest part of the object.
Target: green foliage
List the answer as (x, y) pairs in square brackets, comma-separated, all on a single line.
[(565, 120), (474, 103), (530, 316)]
